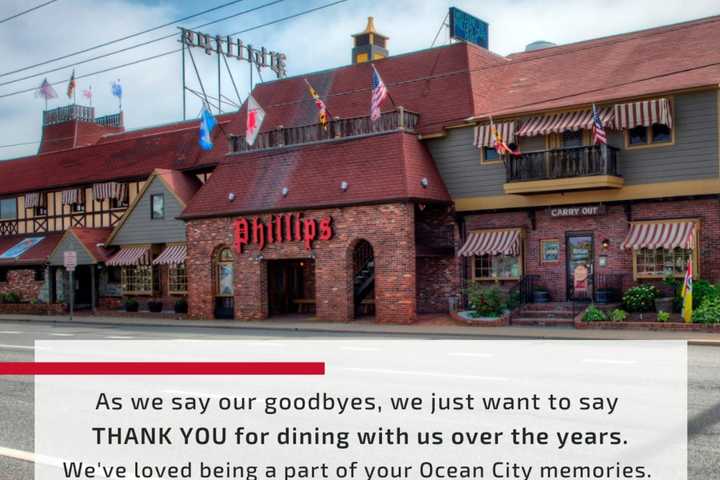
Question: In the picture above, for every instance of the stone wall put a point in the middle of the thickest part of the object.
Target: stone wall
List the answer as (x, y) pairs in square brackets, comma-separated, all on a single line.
[(23, 283)]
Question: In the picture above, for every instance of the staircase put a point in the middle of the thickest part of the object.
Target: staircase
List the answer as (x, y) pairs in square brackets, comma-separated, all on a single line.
[(544, 314)]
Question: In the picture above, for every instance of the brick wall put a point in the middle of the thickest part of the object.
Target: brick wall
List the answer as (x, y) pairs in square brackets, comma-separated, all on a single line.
[(389, 228), (612, 226), (23, 283)]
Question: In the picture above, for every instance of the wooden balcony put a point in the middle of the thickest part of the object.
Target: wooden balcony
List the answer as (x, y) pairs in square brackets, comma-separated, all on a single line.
[(338, 128), (576, 168)]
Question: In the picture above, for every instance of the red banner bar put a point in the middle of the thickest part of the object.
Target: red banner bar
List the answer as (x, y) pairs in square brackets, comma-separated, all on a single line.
[(162, 368)]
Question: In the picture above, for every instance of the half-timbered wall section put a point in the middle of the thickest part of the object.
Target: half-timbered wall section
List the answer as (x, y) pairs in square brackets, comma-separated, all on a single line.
[(93, 213)]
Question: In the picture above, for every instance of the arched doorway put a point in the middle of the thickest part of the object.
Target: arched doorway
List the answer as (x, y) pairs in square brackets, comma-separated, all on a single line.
[(363, 279), (224, 283)]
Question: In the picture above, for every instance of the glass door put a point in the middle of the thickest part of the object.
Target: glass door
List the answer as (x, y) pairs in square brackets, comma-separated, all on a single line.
[(580, 266)]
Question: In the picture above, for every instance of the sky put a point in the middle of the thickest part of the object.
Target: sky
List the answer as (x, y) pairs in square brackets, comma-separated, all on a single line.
[(316, 41)]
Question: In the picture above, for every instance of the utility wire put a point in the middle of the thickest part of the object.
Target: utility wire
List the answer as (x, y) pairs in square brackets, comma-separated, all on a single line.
[(126, 37), (154, 57), (137, 45), (27, 11)]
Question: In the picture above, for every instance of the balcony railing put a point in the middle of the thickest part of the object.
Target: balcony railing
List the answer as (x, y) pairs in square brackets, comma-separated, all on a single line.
[(114, 120), (69, 112), (564, 163), (338, 128)]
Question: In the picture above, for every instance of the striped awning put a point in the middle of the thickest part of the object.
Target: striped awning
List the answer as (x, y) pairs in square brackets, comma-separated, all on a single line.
[(172, 255), (485, 138), (35, 199), (72, 196), (666, 235), (109, 190), (130, 256), (562, 122), (645, 113), (492, 242)]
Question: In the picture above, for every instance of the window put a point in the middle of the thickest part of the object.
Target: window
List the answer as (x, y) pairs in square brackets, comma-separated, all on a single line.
[(224, 276), (572, 139), (8, 208), (657, 134), (41, 210), (157, 206), (661, 262), (177, 278), (491, 267), (489, 154), (79, 206), (121, 202), (137, 279), (40, 274), (114, 275)]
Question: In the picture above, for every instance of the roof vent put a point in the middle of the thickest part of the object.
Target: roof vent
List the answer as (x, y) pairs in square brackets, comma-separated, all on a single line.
[(539, 45)]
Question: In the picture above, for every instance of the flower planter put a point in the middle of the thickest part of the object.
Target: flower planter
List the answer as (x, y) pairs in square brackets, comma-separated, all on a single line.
[(664, 304), (155, 307)]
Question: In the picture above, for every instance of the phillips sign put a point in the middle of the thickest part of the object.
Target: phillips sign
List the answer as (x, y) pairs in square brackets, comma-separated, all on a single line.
[(286, 227)]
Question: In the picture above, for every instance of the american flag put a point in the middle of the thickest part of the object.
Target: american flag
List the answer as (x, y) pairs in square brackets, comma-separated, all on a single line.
[(598, 130), (379, 92), (46, 90)]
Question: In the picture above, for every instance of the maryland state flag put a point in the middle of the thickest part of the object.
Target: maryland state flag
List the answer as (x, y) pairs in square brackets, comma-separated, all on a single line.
[(322, 109), (687, 294), (71, 85), (501, 147)]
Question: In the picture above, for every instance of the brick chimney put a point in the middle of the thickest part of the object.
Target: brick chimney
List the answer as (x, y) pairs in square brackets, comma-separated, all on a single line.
[(76, 126)]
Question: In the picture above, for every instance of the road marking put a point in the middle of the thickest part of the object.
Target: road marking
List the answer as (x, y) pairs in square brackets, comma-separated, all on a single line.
[(28, 456), (609, 361), (19, 347), (426, 374), (62, 334), (10, 332), (118, 337), (468, 354)]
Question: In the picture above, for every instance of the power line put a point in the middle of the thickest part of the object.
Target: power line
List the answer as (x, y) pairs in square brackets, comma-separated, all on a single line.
[(154, 57), (137, 45), (105, 44), (27, 11)]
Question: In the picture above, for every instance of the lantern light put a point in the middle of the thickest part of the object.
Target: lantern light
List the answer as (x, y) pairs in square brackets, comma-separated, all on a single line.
[(285, 191), (231, 196), (344, 186), (424, 182)]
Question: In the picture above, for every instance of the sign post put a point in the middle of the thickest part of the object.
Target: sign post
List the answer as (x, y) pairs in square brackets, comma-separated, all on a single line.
[(70, 262)]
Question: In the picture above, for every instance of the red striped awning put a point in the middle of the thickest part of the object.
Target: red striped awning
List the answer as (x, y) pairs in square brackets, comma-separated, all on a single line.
[(562, 122), (491, 242), (667, 235), (130, 256), (72, 196), (645, 113), (485, 138), (172, 255), (105, 190), (35, 199)]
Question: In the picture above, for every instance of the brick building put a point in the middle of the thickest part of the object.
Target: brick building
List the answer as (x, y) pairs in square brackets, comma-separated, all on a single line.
[(390, 218)]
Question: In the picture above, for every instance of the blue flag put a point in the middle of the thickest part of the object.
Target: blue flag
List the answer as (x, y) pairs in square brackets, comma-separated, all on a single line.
[(207, 123), (117, 89)]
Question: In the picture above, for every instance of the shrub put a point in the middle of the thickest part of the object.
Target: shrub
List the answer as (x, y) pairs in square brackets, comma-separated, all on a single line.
[(594, 314), (703, 289), (708, 311), (181, 306), (513, 300), (155, 306), (131, 305), (11, 297), (485, 301), (640, 298), (663, 316), (618, 315)]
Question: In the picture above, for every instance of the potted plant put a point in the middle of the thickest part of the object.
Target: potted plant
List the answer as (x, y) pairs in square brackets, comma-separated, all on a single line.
[(131, 305), (541, 295), (181, 306), (155, 305)]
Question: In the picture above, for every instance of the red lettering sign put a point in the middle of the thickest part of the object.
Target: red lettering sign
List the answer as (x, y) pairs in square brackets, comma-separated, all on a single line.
[(281, 228)]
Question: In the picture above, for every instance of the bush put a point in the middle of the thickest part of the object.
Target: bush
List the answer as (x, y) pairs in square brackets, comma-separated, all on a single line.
[(10, 297), (703, 289), (485, 301), (131, 305), (181, 306), (155, 306), (640, 298), (618, 315), (594, 314), (708, 311), (663, 316)]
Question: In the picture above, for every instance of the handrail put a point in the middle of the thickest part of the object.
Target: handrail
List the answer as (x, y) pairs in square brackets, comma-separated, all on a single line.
[(525, 287), (563, 163)]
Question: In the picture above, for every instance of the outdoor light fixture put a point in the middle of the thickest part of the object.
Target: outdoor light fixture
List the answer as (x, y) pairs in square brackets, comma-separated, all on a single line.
[(605, 244), (424, 182), (259, 257), (313, 255), (285, 191), (343, 186), (231, 196)]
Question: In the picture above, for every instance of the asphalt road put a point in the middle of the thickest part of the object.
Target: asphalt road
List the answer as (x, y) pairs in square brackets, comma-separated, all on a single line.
[(17, 393)]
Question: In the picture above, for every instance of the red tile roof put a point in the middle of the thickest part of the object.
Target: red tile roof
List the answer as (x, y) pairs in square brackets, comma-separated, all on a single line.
[(379, 168), (128, 155), (183, 185), (37, 255), (90, 238)]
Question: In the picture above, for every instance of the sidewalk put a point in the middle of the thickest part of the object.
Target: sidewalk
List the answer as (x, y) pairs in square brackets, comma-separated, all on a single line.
[(422, 328)]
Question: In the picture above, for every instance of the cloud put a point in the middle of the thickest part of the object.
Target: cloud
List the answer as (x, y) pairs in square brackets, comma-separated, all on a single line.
[(153, 90)]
